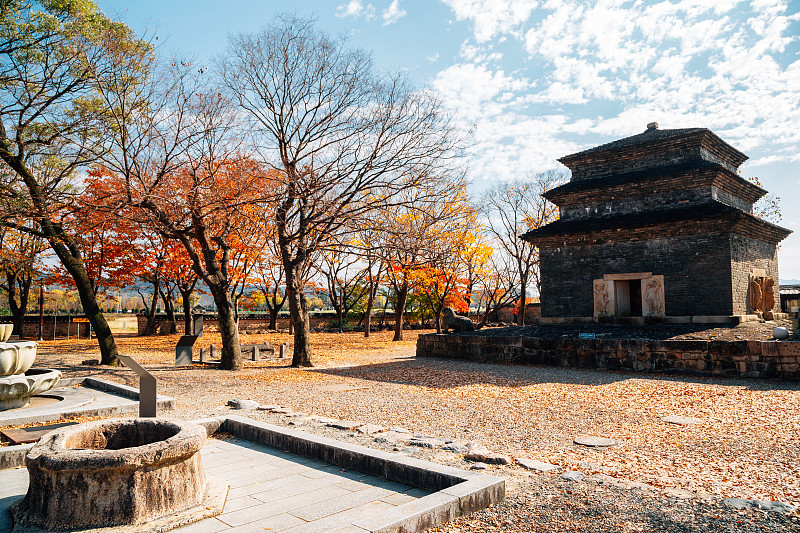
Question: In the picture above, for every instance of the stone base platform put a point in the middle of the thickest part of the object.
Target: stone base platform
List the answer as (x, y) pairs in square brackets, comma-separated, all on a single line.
[(771, 359), (732, 320)]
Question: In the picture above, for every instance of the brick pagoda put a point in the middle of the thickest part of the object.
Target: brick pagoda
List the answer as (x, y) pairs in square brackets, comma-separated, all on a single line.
[(658, 225)]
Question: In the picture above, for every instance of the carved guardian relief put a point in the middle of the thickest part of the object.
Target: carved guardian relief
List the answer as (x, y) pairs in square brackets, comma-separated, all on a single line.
[(762, 295), (603, 302), (653, 296)]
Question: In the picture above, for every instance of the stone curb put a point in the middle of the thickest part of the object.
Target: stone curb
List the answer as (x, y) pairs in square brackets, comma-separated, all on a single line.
[(456, 492), (14, 456)]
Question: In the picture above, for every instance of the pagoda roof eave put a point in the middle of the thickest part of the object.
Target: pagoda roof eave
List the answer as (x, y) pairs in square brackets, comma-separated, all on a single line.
[(651, 136), (727, 218), (648, 174)]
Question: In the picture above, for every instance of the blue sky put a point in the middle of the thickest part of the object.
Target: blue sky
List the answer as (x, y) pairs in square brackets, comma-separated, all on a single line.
[(541, 79)]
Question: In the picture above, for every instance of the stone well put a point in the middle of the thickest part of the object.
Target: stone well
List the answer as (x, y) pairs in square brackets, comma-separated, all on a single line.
[(142, 473)]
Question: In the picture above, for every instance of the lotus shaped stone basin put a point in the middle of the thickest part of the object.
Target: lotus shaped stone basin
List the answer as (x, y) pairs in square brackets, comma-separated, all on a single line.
[(16, 357), (134, 475), (16, 391)]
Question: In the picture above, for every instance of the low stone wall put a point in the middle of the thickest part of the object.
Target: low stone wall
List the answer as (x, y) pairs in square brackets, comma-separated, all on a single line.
[(772, 359), (59, 326)]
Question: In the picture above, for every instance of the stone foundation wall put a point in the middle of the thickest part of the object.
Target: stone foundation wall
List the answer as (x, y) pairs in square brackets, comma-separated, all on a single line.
[(771, 359)]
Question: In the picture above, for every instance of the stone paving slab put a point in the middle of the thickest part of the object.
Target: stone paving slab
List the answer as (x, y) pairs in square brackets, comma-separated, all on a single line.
[(294, 493)]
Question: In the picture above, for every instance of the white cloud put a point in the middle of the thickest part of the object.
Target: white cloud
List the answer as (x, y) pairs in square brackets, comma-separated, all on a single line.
[(393, 13), (355, 9), (492, 17), (603, 69), (507, 140), (434, 57), (473, 89), (689, 63), (478, 54)]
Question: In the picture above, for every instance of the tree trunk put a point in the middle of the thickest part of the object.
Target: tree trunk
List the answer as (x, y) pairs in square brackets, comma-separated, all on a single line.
[(368, 313), (18, 310), (102, 331), (169, 307), (150, 328), (273, 317), (521, 317), (187, 313), (383, 314), (228, 330), (399, 312), (340, 312), (298, 317), (437, 316)]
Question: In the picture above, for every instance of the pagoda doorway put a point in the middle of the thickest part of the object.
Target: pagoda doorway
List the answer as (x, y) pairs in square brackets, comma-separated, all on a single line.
[(636, 294), (628, 297)]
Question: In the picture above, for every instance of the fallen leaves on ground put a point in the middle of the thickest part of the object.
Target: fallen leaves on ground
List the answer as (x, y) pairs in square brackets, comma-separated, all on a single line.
[(747, 445)]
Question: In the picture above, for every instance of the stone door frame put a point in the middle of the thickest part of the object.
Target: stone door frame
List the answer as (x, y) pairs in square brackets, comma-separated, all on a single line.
[(607, 300)]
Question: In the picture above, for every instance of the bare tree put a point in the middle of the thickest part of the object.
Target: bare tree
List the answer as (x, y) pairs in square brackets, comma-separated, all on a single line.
[(341, 266), (268, 278), (368, 238), (344, 138), (177, 152), (512, 208)]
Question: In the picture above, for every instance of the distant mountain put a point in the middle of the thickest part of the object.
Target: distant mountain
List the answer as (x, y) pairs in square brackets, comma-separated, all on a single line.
[(789, 282)]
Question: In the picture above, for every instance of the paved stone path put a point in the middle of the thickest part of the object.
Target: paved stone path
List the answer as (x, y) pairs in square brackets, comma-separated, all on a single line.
[(270, 490)]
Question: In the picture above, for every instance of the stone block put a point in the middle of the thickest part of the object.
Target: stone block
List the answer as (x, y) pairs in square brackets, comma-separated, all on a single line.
[(550, 320), (769, 348), (712, 319), (788, 348), (677, 320), (684, 346), (631, 345), (505, 341), (754, 347), (532, 343), (425, 513), (728, 348), (790, 368)]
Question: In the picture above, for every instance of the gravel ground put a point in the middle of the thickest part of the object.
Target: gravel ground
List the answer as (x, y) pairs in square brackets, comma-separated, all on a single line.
[(662, 477)]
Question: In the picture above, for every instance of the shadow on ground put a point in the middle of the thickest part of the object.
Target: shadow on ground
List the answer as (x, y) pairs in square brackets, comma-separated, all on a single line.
[(448, 373)]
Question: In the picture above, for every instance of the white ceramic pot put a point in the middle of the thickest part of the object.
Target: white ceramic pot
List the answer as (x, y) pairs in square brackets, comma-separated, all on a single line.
[(5, 331), (16, 357)]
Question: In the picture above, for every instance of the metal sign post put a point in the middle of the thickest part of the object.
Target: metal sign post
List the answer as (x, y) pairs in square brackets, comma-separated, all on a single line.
[(147, 387)]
